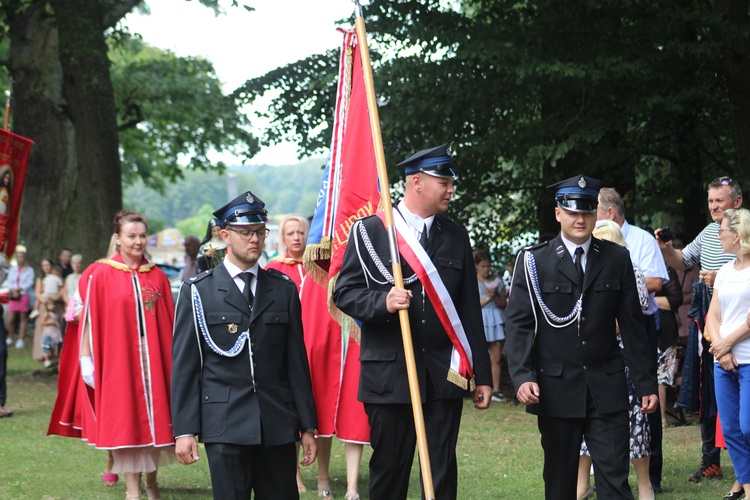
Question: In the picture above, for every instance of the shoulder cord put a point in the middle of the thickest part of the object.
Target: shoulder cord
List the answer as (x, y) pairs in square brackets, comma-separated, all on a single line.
[(532, 282), (376, 260), (200, 326)]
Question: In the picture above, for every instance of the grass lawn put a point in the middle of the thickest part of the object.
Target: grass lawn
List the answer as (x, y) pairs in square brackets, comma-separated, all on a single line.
[(498, 452)]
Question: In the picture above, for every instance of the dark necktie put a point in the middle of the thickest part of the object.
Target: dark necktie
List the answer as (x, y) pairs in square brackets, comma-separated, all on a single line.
[(579, 263), (247, 292), (423, 237)]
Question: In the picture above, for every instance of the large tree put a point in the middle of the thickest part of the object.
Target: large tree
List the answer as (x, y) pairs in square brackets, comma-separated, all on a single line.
[(57, 55), (647, 95)]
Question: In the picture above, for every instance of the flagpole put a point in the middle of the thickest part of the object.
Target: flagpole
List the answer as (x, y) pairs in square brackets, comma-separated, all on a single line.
[(398, 278)]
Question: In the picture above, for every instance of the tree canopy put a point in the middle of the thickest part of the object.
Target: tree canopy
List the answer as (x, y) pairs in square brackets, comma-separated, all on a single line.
[(144, 113), (648, 96)]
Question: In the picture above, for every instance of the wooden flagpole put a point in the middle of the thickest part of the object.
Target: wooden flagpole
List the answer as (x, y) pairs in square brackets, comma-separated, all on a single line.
[(398, 278)]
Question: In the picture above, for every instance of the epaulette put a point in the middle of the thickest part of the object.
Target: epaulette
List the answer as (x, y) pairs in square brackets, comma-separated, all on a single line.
[(200, 276), (538, 245), (440, 219), (275, 273)]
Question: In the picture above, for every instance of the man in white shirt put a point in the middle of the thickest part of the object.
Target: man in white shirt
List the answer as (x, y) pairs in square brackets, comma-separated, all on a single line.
[(644, 252)]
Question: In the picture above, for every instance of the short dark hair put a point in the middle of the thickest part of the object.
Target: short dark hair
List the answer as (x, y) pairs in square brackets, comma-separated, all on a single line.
[(480, 255)]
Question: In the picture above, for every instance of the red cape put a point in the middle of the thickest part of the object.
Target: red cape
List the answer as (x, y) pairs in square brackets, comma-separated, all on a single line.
[(117, 414)]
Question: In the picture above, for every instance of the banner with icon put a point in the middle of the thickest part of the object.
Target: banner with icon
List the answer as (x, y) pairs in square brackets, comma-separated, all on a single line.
[(14, 158)]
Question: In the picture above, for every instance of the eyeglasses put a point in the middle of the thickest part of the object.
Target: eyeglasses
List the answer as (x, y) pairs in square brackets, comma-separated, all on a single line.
[(246, 234)]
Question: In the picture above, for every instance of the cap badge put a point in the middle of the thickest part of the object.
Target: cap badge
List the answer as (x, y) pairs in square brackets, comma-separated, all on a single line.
[(250, 198), (581, 182), (232, 328)]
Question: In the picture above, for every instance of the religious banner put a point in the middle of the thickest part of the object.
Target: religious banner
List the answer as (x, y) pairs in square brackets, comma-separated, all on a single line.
[(14, 158)]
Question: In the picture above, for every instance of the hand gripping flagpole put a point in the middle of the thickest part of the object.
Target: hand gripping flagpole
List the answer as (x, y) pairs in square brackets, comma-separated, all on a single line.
[(398, 278)]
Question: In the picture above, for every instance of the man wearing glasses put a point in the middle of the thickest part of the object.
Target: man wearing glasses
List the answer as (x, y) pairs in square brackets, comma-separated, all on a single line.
[(240, 378), (705, 250)]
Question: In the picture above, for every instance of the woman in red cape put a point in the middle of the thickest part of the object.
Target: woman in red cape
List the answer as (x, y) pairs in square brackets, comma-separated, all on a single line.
[(334, 390), (125, 333)]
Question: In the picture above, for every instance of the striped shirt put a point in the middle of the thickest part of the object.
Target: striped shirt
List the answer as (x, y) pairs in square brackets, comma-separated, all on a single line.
[(706, 250)]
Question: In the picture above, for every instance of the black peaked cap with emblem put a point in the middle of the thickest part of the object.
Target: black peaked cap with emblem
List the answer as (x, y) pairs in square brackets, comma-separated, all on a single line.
[(435, 161), (244, 210), (577, 194)]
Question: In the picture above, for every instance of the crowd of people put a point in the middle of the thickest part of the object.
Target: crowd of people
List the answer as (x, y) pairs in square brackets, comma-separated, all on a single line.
[(248, 360)]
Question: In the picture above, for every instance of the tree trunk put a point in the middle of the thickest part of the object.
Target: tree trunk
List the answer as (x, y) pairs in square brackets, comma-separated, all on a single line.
[(73, 185)]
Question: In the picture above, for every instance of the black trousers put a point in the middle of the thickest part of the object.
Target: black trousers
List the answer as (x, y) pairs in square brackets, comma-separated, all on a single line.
[(608, 440), (268, 471), (656, 459), (393, 439)]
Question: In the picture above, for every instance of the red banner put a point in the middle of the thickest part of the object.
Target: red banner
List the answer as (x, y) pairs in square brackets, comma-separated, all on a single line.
[(14, 158), (359, 194)]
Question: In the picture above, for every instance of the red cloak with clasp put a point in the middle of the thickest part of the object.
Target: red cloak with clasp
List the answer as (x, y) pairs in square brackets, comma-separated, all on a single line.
[(130, 405)]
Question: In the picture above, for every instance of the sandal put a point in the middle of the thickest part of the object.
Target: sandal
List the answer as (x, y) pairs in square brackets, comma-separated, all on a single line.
[(109, 479), (152, 490), (352, 496), (324, 492)]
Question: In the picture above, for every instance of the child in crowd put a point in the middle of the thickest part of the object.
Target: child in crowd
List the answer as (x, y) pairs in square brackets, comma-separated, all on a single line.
[(51, 334), (493, 300)]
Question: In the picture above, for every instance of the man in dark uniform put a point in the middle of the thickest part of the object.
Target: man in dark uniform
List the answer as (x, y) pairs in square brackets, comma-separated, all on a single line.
[(568, 297), (365, 291), (240, 378)]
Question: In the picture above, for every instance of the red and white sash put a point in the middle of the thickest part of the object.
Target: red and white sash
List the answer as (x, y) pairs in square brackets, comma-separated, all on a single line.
[(461, 370)]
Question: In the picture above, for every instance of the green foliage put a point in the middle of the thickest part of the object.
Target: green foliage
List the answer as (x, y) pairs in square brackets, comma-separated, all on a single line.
[(188, 203), (631, 92), (172, 114), (196, 224)]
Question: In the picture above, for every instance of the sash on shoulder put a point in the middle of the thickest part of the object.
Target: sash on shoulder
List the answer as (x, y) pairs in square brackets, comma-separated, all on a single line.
[(461, 372)]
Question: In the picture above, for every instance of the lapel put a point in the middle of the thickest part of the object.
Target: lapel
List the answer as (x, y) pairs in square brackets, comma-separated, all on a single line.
[(232, 294), (594, 262), (564, 261), (435, 239), (264, 294)]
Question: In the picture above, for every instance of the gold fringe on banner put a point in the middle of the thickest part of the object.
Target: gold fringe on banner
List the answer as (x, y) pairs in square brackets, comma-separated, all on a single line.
[(346, 322), (461, 381)]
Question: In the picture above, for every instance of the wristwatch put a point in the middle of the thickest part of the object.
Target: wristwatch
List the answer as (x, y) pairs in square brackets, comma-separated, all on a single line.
[(311, 429)]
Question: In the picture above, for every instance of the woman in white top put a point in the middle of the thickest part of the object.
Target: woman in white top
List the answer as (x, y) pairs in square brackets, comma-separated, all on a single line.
[(20, 284), (728, 330)]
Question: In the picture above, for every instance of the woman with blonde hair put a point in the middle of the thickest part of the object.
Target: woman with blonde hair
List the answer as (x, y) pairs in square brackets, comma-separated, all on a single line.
[(728, 328)]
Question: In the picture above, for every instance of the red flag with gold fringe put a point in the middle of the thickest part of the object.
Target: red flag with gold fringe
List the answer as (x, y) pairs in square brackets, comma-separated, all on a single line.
[(14, 158)]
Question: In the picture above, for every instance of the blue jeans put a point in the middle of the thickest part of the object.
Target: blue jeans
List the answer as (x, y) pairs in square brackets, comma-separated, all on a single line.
[(733, 400)]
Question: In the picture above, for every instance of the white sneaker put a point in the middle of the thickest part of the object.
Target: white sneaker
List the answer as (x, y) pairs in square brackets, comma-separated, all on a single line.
[(34, 314), (20, 344), (47, 363), (8, 341)]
